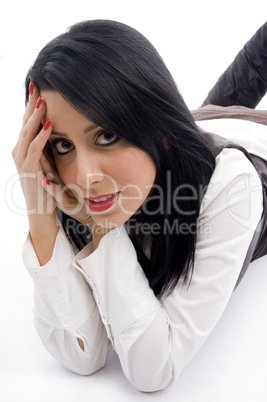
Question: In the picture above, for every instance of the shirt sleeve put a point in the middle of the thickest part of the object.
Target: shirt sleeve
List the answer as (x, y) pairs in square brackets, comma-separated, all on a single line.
[(156, 338), (65, 309)]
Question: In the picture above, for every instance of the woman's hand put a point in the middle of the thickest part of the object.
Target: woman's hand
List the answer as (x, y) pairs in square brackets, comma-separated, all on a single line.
[(28, 156), (41, 195), (32, 167), (42, 187)]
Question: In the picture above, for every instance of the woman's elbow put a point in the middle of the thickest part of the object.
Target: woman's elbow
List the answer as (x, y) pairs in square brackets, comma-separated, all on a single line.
[(86, 369), (152, 380)]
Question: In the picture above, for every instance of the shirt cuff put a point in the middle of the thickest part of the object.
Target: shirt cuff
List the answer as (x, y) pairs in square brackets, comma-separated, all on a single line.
[(120, 287)]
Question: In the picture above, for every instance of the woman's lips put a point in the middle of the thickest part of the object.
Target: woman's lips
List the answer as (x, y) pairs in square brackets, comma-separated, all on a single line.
[(102, 203)]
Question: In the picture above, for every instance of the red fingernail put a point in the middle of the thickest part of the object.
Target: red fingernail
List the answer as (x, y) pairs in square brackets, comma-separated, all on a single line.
[(39, 102), (47, 125), (31, 88), (47, 181)]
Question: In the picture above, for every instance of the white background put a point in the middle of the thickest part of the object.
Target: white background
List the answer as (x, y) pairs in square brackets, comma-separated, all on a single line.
[(197, 40)]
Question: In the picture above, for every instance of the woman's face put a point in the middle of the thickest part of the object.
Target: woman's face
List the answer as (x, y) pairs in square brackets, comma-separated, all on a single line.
[(107, 174)]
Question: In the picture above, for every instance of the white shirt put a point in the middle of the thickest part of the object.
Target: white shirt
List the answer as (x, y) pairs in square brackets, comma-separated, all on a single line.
[(103, 296), (250, 135)]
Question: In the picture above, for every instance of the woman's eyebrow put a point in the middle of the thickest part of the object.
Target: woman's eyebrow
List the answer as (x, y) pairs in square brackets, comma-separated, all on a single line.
[(59, 134), (86, 130), (90, 128)]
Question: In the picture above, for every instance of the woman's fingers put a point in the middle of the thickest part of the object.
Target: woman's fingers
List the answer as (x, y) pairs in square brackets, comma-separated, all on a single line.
[(30, 130), (63, 197), (49, 171), (34, 122), (67, 202), (29, 153), (35, 149), (32, 100)]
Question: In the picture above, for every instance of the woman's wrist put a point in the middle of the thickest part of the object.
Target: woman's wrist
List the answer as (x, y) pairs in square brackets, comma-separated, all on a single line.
[(43, 232)]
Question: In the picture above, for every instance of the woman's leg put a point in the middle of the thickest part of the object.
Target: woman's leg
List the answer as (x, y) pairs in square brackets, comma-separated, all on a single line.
[(244, 82)]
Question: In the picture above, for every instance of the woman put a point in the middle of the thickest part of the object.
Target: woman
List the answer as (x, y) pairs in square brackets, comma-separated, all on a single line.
[(138, 235)]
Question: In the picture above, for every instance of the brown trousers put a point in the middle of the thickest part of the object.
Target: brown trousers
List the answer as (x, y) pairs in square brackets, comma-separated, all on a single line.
[(210, 112)]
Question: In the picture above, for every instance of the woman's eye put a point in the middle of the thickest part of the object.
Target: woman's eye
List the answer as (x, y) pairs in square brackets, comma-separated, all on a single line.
[(62, 146), (106, 139)]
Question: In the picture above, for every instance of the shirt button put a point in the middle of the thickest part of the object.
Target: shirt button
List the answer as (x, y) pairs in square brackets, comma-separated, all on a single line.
[(67, 322), (62, 308)]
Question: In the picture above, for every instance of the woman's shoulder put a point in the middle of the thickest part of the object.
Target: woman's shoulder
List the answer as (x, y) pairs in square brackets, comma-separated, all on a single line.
[(230, 165), (250, 135), (235, 185)]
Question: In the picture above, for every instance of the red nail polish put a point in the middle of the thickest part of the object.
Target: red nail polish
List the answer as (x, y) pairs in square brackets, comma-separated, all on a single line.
[(39, 102), (31, 88), (47, 181), (47, 125)]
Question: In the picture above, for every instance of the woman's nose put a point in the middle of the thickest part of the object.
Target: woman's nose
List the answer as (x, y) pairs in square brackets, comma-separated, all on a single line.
[(88, 173)]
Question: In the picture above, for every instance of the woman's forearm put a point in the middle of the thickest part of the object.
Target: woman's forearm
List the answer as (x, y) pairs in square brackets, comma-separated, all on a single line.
[(65, 313), (43, 232)]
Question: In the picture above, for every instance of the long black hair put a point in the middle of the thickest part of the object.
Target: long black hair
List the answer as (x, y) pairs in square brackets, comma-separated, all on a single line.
[(113, 75)]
